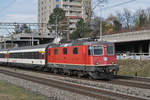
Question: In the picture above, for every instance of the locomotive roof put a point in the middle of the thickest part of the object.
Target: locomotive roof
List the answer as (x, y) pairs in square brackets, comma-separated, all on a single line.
[(27, 47), (79, 42), (52, 45)]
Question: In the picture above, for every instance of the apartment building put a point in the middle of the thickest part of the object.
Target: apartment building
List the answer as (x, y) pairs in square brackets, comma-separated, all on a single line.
[(74, 10)]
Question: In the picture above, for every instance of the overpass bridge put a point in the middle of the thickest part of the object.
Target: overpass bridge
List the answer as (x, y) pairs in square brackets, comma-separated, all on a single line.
[(26, 39), (128, 37), (132, 42)]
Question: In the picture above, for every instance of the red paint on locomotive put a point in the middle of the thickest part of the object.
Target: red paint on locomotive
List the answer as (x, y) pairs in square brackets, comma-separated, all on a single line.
[(82, 57)]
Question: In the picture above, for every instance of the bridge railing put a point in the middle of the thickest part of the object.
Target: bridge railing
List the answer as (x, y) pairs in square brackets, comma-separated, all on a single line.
[(134, 56)]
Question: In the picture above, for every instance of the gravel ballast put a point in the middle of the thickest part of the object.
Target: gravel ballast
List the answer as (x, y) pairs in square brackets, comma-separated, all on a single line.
[(40, 89), (138, 92)]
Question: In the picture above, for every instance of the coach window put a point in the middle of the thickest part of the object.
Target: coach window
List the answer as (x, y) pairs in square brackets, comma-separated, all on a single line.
[(49, 52), (56, 51), (22, 55), (75, 50), (65, 51)]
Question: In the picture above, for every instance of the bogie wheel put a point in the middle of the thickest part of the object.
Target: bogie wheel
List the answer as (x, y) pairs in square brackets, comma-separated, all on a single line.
[(55, 71)]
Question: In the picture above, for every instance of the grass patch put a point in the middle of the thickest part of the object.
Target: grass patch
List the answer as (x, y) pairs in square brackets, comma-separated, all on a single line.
[(11, 92), (131, 67)]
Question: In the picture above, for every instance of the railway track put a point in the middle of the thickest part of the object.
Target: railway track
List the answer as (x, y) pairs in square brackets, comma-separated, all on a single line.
[(132, 78), (136, 82), (132, 83), (76, 88)]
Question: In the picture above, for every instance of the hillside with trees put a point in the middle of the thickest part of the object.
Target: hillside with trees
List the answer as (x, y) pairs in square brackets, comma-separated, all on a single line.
[(123, 21)]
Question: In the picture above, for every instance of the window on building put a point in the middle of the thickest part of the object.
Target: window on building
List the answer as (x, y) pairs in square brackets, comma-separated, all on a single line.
[(65, 51), (75, 50), (57, 6), (56, 51)]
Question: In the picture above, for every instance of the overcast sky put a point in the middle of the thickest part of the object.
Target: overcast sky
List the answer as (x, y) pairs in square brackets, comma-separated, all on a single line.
[(18, 10), (26, 10)]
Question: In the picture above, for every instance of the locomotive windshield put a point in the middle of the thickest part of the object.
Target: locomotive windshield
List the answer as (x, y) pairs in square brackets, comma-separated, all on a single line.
[(110, 50), (95, 50)]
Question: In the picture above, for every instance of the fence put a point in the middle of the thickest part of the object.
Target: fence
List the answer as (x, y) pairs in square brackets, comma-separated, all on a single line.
[(134, 56)]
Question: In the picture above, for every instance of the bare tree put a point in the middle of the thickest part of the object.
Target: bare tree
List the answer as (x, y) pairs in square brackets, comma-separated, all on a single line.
[(95, 4), (127, 18), (119, 17), (141, 18), (148, 15), (95, 25)]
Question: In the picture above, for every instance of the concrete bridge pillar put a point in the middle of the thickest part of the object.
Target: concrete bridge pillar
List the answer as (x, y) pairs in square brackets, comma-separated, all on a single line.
[(140, 49), (149, 48)]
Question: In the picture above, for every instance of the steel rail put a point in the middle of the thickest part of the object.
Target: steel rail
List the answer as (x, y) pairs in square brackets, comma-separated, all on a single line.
[(115, 81), (83, 90)]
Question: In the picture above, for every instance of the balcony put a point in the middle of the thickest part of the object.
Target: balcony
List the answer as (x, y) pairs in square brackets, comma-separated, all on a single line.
[(72, 26), (74, 20), (74, 3), (73, 9)]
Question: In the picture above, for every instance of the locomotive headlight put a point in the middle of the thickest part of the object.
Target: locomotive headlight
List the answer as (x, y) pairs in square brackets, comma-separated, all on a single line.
[(105, 59), (113, 63), (97, 63)]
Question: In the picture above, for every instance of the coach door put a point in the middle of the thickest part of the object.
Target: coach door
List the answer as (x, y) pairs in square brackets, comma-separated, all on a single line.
[(49, 55), (53, 57), (7, 57), (65, 52), (84, 55)]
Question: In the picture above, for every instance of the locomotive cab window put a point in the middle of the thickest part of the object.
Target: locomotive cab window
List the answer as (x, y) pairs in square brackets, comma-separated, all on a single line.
[(65, 51), (98, 50), (110, 50), (95, 50), (75, 50), (56, 51)]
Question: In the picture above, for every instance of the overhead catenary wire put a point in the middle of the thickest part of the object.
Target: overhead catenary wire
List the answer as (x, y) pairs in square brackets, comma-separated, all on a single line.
[(113, 6), (7, 6), (119, 4)]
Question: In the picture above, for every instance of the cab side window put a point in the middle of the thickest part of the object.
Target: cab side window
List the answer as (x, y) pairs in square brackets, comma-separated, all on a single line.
[(56, 51), (65, 51), (75, 50)]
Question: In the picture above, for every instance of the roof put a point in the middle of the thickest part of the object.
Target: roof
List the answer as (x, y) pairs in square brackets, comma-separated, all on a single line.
[(27, 47), (80, 42), (52, 45)]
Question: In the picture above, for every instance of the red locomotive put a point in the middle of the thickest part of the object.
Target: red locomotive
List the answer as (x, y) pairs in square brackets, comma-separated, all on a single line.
[(95, 59)]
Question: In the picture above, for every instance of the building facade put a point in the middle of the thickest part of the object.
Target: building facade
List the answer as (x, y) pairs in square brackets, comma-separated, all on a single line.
[(74, 10)]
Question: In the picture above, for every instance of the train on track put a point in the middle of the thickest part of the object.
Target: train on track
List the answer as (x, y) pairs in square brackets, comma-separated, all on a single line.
[(94, 59)]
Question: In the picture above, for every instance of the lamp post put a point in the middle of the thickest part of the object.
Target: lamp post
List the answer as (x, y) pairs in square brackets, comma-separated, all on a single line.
[(101, 23), (56, 25), (32, 38)]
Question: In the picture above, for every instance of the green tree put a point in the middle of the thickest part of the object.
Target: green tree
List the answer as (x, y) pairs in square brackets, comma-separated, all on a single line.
[(142, 19), (78, 33), (117, 25), (17, 29), (25, 29), (22, 29), (57, 17)]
